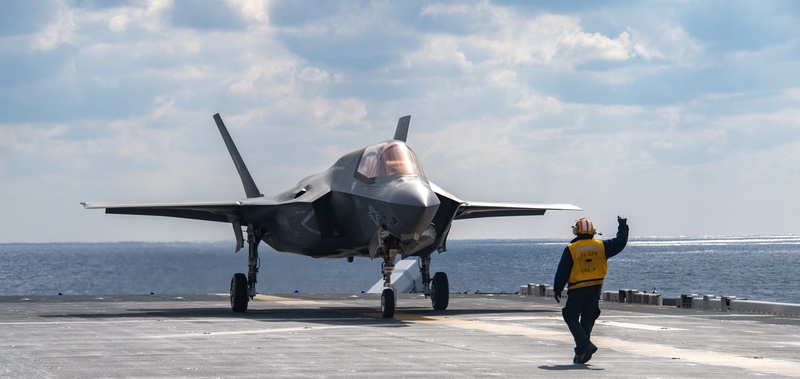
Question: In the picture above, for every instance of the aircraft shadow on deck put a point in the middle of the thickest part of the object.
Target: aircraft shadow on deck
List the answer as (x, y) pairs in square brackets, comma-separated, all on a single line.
[(335, 315)]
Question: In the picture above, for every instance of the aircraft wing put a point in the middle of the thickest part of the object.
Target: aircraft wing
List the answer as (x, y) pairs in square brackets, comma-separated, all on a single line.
[(236, 212), (469, 210), (222, 211), (473, 209)]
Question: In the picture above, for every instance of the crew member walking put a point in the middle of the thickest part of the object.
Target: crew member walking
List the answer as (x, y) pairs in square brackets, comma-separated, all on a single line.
[(584, 265)]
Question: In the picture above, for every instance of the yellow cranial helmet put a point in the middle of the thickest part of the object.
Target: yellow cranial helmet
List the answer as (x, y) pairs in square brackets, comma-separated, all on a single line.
[(584, 226)]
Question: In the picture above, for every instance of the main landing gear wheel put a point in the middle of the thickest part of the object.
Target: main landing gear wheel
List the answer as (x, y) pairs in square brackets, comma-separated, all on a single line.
[(387, 303), (440, 291), (239, 295)]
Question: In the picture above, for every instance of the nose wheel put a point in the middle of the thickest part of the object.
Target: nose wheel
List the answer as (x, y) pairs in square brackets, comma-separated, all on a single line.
[(388, 296)]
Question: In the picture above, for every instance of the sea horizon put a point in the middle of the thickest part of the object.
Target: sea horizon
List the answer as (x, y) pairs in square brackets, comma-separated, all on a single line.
[(745, 266)]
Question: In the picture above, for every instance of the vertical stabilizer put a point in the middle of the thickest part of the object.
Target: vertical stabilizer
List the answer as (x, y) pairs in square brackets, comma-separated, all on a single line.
[(249, 185), (401, 134)]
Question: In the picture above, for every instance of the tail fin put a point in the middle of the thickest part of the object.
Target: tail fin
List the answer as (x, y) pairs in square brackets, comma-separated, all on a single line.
[(249, 185), (401, 134)]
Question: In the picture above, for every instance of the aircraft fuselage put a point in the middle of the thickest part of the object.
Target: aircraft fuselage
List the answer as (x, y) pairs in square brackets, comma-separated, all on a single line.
[(344, 221)]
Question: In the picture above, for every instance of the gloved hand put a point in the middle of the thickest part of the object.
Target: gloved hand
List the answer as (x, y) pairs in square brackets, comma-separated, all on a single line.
[(557, 296), (622, 221)]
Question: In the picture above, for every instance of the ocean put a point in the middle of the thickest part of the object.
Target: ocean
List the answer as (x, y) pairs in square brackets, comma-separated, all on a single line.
[(762, 268)]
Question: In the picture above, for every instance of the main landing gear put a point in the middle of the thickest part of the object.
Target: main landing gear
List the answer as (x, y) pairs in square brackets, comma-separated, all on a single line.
[(437, 289), (243, 288)]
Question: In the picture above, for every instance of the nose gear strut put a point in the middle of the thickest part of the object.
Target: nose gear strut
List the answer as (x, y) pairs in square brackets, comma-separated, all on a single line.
[(389, 296)]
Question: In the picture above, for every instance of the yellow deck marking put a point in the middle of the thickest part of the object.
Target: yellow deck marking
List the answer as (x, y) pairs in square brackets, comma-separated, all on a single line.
[(288, 300), (282, 300)]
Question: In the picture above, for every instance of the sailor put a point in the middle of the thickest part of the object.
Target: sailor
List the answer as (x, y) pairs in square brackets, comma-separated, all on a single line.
[(583, 266)]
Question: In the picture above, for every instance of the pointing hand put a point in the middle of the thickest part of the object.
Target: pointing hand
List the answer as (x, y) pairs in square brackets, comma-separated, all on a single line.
[(622, 221)]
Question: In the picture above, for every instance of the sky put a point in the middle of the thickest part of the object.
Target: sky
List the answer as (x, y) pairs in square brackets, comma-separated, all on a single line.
[(683, 116)]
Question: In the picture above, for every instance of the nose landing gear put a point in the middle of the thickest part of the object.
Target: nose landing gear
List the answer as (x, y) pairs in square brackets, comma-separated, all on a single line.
[(438, 288), (388, 296)]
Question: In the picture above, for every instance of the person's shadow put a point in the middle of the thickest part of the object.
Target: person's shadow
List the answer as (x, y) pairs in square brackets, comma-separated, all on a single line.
[(573, 366)]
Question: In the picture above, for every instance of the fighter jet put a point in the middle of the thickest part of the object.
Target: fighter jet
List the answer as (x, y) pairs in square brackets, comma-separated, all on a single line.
[(374, 202)]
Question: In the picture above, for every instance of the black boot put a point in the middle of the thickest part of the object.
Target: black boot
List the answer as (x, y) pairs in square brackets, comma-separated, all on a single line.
[(586, 353)]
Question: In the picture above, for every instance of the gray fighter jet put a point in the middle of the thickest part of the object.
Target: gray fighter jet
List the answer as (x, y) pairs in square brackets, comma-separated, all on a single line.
[(374, 202)]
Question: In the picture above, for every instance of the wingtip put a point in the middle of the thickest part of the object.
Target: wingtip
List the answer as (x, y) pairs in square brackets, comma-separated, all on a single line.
[(88, 205)]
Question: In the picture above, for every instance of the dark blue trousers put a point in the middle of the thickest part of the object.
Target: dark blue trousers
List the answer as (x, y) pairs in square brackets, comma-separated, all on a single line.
[(581, 311)]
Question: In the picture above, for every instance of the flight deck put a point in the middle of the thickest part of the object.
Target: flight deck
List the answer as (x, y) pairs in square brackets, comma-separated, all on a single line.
[(329, 335)]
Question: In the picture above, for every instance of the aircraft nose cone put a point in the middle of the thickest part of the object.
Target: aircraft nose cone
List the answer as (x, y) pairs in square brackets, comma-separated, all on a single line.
[(413, 206)]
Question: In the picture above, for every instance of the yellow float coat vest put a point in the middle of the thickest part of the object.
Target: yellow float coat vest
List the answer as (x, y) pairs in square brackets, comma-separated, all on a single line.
[(589, 265)]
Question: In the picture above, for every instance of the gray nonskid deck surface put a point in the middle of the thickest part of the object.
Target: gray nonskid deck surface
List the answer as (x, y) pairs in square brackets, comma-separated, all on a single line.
[(306, 335)]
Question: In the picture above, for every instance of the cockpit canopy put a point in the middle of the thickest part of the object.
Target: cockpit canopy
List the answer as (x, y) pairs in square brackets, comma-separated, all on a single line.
[(387, 159)]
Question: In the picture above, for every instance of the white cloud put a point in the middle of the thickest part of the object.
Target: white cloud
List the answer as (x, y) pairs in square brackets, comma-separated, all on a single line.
[(509, 102), (118, 23), (256, 10), (449, 9), (439, 51), (58, 32), (30, 138), (334, 113), (313, 74), (677, 46), (270, 78), (550, 40)]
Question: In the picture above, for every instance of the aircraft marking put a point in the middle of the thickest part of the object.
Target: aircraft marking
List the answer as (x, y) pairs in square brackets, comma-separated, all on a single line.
[(305, 224), (374, 216)]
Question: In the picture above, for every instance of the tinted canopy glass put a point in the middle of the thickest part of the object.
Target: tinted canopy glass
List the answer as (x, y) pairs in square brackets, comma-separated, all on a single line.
[(387, 159)]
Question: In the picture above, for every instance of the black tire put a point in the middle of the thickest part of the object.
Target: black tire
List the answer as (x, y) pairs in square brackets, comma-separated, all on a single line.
[(387, 303), (440, 291), (239, 295)]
